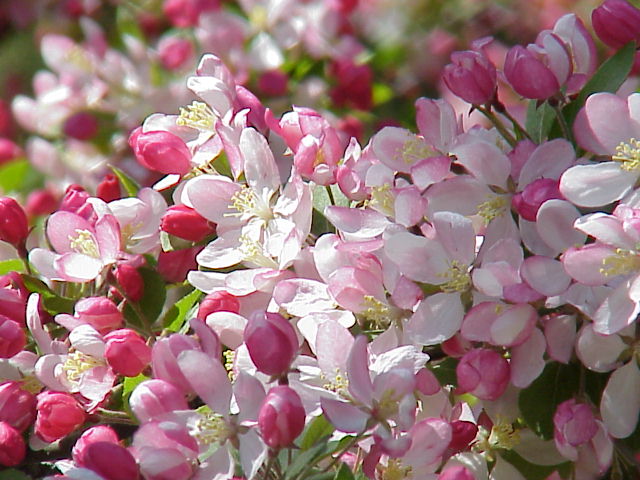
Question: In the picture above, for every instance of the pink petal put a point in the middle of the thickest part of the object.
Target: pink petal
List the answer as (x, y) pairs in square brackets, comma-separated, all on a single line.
[(514, 325), (618, 311), (527, 360), (360, 384), (545, 275), (213, 388), (621, 400), (597, 184), (260, 168), (76, 267), (436, 319), (344, 416), (560, 332)]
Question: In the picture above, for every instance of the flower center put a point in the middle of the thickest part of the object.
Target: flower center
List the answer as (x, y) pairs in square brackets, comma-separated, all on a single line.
[(211, 428), (77, 363), (339, 384), (382, 199), (628, 154), (494, 207), (84, 243), (198, 115), (623, 262), (457, 278), (248, 204), (254, 253), (229, 359), (376, 312), (396, 471), (502, 436), (413, 150), (31, 384), (79, 58)]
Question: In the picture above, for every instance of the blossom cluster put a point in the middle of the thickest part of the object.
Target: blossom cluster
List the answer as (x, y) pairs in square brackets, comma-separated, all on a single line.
[(262, 295)]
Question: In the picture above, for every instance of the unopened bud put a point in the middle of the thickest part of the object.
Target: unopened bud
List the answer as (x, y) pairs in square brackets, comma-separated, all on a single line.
[(17, 406), (156, 397), (99, 312), (59, 414), (161, 151), (12, 337), (483, 373), (281, 417), (12, 447), (109, 188), (129, 280), (14, 227), (126, 352), (616, 22), (218, 302), (271, 341), (184, 222)]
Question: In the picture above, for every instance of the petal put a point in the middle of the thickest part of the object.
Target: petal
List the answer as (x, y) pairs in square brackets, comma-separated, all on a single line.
[(596, 185), (360, 384), (621, 400), (436, 319), (527, 360), (213, 388), (618, 311), (545, 275), (344, 416)]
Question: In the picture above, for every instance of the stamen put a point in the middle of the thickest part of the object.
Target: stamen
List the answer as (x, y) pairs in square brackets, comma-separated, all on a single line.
[(77, 363), (494, 207), (382, 199), (396, 471), (211, 428), (198, 115), (229, 359), (628, 154), (31, 384), (458, 278), (339, 384), (84, 243), (254, 253), (413, 150), (623, 262), (248, 204), (375, 312)]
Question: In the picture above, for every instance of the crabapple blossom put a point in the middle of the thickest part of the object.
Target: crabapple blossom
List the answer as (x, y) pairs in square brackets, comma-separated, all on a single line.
[(484, 373), (126, 352), (13, 448), (471, 76), (13, 222), (281, 417), (616, 22), (59, 414)]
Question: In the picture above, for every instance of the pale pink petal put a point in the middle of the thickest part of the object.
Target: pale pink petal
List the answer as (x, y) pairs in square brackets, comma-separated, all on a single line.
[(560, 332), (545, 275), (409, 207), (364, 223), (63, 227), (86, 339), (430, 439), (213, 388), (333, 344), (260, 168), (223, 252), (437, 122), (360, 384), (218, 466), (96, 384), (417, 257), (461, 194), (229, 326), (301, 296), (531, 238), (549, 160), (597, 184), (514, 325), (210, 196), (618, 311), (430, 170), (607, 229), (108, 238), (477, 322), (527, 360), (436, 319), (344, 416), (584, 264), (76, 267), (483, 160), (503, 470), (249, 394), (456, 235), (43, 260), (620, 402), (399, 149), (598, 352), (253, 453)]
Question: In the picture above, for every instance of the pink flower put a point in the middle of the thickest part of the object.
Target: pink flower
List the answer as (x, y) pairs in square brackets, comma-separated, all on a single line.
[(126, 352), (12, 337), (271, 341), (471, 76), (161, 151), (13, 222), (12, 447), (98, 450), (281, 417), (174, 52), (153, 398), (616, 22), (99, 312), (17, 406), (574, 424), (184, 222), (483, 373), (59, 414)]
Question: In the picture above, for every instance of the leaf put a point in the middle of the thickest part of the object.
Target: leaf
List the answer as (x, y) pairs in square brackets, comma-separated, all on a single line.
[(175, 318), (154, 296), (13, 474), (539, 121), (445, 371), (539, 401), (321, 200), (317, 429), (344, 473), (381, 93), (126, 22), (129, 385), (13, 265), (129, 184), (531, 471), (52, 302), (309, 457), (12, 175)]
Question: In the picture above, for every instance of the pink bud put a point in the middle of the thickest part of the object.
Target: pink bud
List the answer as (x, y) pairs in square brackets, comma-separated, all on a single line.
[(462, 434), (9, 151), (528, 75), (174, 52), (281, 417), (483, 373), (160, 151), (218, 302), (41, 202), (14, 227), (17, 406), (471, 76), (174, 266), (354, 84), (273, 83), (271, 341), (184, 222), (109, 188), (59, 414), (164, 359), (456, 472), (185, 13), (528, 202), (574, 424), (126, 352), (12, 447), (616, 22), (99, 451), (246, 99), (75, 201), (12, 337), (99, 312), (129, 280), (156, 397), (13, 297), (81, 126)]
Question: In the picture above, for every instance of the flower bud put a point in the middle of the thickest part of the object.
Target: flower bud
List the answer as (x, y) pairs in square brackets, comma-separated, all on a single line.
[(126, 352), (160, 151), (14, 227), (17, 406), (273, 83), (9, 151), (218, 302), (13, 297), (59, 414), (462, 434), (109, 188), (98, 450), (41, 202), (456, 472), (81, 126), (271, 341), (12, 337), (353, 84), (483, 373), (281, 417), (99, 312), (174, 52), (574, 424), (528, 202), (616, 22), (184, 222), (174, 266), (12, 447), (129, 280), (528, 75), (75, 201), (185, 13), (156, 397), (471, 76)]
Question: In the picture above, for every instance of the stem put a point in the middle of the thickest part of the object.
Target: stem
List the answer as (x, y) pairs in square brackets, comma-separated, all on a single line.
[(113, 416), (270, 462), (515, 123), (24, 256), (330, 193), (566, 131), (498, 124)]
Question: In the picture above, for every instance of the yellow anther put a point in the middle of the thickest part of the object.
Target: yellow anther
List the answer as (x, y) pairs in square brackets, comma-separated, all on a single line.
[(339, 384), (83, 242), (259, 17), (495, 206), (623, 262), (211, 428), (396, 471), (229, 359), (253, 252), (31, 384), (78, 57), (413, 150), (388, 404), (628, 154), (248, 205), (457, 278), (375, 312), (503, 435), (382, 199), (198, 115), (78, 363)]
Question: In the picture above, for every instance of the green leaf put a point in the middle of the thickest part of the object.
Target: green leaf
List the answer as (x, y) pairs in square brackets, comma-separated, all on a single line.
[(174, 318), (13, 474), (130, 383), (344, 473), (13, 265), (539, 121), (531, 471), (319, 428), (126, 22), (52, 302), (445, 371), (155, 293), (129, 184), (12, 175), (382, 93), (539, 401), (321, 199), (309, 457)]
